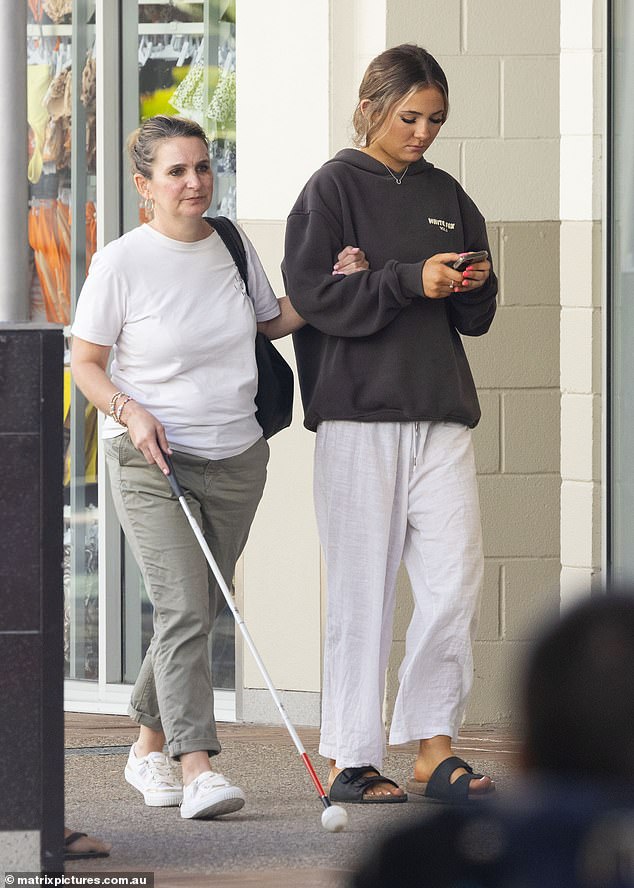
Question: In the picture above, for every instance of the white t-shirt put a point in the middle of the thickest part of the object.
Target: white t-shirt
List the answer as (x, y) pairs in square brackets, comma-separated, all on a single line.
[(182, 327)]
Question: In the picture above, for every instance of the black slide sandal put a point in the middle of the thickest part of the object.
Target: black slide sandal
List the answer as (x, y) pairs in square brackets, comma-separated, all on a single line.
[(439, 788), (351, 784)]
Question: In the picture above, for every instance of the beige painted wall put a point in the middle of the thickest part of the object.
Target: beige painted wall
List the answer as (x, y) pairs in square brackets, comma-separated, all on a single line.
[(283, 118)]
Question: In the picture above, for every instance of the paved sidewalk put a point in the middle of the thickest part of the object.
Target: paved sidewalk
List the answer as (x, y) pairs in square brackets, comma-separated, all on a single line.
[(275, 841)]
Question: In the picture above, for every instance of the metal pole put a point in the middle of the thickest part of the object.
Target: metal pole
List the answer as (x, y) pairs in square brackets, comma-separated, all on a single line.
[(14, 245), (211, 28), (109, 18), (130, 109)]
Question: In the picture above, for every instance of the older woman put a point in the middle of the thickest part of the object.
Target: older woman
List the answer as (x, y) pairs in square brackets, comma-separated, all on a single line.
[(387, 387), (167, 300)]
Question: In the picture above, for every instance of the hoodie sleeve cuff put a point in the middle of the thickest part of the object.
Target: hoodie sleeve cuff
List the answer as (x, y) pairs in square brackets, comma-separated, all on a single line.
[(410, 276)]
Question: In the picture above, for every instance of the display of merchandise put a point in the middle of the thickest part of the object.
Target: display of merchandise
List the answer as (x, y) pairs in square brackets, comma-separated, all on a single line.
[(188, 97), (177, 74), (87, 629)]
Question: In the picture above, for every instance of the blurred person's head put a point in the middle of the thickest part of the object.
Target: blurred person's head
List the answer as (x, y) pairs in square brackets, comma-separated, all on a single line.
[(579, 692)]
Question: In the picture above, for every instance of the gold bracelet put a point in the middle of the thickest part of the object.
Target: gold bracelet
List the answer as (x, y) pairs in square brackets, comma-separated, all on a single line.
[(120, 411), (113, 403)]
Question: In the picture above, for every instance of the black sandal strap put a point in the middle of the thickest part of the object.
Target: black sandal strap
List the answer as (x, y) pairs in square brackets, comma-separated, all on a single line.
[(440, 787), (363, 779), (350, 784), (73, 838)]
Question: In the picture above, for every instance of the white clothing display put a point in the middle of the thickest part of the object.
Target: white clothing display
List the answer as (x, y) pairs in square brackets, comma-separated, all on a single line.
[(182, 327), (386, 492)]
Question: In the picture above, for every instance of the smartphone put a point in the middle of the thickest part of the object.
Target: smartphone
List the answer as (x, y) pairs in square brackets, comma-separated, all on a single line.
[(468, 259)]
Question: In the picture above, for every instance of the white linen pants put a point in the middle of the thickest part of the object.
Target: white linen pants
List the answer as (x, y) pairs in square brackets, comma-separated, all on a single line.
[(387, 492)]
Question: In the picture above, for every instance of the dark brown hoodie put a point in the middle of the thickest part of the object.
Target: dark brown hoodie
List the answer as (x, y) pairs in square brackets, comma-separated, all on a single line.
[(375, 349)]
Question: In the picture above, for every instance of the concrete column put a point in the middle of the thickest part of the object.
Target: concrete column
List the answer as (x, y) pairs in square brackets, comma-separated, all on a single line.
[(581, 297), (14, 277)]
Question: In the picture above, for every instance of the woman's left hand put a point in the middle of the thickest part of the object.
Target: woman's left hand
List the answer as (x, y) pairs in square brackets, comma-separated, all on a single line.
[(474, 276), (350, 260), (440, 280)]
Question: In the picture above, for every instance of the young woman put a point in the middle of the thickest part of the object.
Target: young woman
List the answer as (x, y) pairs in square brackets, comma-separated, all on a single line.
[(387, 387), (167, 300)]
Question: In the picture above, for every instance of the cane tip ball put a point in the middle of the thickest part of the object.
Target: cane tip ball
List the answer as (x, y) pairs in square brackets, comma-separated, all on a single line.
[(334, 819)]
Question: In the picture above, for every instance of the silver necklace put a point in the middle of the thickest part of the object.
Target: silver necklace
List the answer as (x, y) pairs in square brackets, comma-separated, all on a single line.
[(397, 179)]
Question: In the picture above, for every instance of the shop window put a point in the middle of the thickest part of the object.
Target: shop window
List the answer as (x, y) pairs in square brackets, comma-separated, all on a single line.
[(176, 58), (186, 66), (51, 68)]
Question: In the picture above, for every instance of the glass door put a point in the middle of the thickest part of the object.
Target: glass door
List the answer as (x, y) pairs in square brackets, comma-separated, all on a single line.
[(61, 89), (157, 57)]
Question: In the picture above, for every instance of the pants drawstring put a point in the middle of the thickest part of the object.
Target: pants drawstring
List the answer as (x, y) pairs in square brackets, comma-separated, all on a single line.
[(416, 441)]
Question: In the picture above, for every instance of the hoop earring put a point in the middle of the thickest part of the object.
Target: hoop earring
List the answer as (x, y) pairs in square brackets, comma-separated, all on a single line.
[(148, 206)]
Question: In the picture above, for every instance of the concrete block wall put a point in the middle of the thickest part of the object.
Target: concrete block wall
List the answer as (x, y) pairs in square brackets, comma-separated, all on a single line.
[(502, 142)]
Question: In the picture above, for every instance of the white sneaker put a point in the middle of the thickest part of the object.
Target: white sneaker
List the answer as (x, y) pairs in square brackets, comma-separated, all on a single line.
[(209, 795), (155, 777)]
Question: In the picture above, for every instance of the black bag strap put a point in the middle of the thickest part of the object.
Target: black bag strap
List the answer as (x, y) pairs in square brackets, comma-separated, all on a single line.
[(230, 237)]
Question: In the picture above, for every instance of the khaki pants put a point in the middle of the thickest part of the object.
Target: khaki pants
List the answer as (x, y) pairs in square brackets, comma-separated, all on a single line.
[(174, 690)]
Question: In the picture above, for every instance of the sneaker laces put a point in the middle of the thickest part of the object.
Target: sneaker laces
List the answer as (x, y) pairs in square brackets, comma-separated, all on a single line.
[(208, 781), (161, 769)]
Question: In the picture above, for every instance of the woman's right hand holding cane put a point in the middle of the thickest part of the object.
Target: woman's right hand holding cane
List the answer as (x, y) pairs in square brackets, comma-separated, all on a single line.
[(146, 433)]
